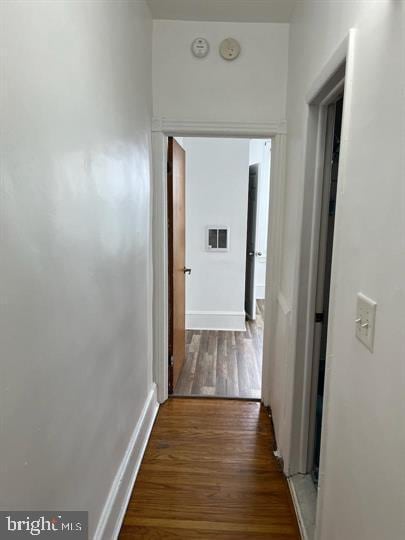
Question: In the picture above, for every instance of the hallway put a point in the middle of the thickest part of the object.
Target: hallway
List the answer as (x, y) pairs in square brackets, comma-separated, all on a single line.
[(224, 364), (209, 472), (164, 163)]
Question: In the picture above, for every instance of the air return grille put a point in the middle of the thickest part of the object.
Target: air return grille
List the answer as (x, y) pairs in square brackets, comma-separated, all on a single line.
[(217, 238)]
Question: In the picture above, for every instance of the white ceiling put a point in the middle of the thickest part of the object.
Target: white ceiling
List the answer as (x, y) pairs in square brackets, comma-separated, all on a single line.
[(223, 10)]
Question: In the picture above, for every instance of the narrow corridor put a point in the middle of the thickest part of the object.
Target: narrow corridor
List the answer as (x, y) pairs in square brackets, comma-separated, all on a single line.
[(209, 472)]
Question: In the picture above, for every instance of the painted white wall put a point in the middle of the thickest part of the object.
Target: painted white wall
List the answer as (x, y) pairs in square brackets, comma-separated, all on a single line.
[(217, 173), (362, 494), (76, 357), (260, 152), (251, 88)]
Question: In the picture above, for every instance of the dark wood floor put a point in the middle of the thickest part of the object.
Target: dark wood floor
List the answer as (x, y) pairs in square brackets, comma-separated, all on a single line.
[(209, 473), (227, 364)]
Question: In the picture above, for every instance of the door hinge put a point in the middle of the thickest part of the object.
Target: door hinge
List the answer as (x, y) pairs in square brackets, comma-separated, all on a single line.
[(171, 361), (318, 317)]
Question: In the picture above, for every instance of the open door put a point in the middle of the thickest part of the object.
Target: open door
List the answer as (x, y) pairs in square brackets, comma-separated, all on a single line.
[(177, 270), (250, 292)]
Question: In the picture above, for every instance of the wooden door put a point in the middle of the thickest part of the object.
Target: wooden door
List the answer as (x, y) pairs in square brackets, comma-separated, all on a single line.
[(250, 293), (177, 240)]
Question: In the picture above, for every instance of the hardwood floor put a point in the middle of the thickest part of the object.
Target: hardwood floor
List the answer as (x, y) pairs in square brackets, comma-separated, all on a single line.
[(209, 472), (226, 364)]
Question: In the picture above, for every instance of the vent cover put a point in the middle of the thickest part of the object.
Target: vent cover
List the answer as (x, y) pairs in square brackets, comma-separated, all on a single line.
[(217, 238)]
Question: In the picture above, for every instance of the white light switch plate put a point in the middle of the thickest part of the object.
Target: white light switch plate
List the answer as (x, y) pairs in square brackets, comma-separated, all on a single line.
[(365, 320)]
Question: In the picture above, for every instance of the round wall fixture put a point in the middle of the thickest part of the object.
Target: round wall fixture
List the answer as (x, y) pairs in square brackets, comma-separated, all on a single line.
[(200, 47), (229, 49)]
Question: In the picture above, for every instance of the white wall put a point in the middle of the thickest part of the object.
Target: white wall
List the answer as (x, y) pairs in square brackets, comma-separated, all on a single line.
[(362, 494), (217, 177), (260, 152), (76, 359), (251, 88)]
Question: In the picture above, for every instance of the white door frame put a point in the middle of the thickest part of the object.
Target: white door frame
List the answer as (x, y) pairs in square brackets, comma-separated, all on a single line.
[(161, 130), (336, 76)]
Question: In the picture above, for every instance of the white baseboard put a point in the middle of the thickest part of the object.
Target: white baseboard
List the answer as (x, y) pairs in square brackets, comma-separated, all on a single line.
[(260, 292), (113, 513), (216, 320)]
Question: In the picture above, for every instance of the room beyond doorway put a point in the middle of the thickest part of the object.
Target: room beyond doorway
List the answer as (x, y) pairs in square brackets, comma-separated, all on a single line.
[(223, 341), (224, 364)]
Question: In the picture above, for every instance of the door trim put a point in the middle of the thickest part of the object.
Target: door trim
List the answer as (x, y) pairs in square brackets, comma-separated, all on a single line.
[(330, 82), (161, 130), (202, 128), (306, 272), (321, 229)]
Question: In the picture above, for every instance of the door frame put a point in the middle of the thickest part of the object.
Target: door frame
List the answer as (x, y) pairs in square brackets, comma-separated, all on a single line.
[(335, 78), (161, 130), (324, 195)]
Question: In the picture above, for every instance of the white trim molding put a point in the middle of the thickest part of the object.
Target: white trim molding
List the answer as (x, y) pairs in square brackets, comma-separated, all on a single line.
[(274, 256), (160, 264), (212, 129), (233, 321), (350, 45), (113, 513), (260, 292)]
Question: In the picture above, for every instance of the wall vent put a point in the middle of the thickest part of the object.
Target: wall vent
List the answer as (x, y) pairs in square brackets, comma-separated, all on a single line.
[(217, 238)]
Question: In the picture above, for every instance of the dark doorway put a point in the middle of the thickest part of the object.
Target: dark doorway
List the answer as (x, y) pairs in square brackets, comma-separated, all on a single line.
[(327, 225), (250, 295)]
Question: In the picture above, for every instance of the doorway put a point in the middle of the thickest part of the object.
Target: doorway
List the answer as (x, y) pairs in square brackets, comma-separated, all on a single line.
[(325, 250), (161, 131), (324, 136), (305, 485), (215, 339)]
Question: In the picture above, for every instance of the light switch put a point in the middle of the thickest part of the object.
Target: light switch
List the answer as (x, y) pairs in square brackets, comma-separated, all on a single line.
[(365, 320)]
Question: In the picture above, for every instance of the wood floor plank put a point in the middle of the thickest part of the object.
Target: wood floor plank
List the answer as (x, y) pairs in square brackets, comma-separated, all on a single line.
[(209, 472), (222, 369), (224, 363)]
